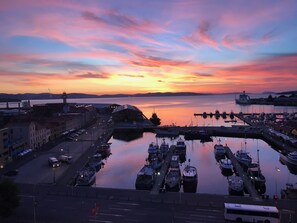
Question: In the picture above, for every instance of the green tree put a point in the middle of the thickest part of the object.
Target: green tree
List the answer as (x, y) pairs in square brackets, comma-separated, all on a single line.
[(9, 199)]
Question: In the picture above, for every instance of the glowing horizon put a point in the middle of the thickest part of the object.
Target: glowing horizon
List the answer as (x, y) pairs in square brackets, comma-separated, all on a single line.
[(138, 46)]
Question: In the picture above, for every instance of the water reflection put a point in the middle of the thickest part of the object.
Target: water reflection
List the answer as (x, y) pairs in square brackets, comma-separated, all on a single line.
[(128, 158), (127, 137)]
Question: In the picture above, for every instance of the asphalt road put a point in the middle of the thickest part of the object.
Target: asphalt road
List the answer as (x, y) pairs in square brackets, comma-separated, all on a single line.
[(48, 203)]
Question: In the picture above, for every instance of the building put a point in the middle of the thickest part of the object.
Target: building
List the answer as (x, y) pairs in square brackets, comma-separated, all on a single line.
[(127, 113), (4, 146)]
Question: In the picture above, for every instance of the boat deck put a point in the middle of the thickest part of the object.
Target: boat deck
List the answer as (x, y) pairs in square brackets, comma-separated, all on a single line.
[(247, 183), (160, 177)]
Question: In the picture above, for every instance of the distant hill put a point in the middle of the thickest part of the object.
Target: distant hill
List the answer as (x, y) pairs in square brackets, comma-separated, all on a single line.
[(42, 96), (288, 92)]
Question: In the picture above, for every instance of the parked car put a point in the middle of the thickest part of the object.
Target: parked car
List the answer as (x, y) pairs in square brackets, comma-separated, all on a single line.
[(65, 159), (53, 162), (11, 173)]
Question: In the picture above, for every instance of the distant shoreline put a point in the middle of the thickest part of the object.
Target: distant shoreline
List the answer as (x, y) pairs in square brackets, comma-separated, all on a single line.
[(47, 96)]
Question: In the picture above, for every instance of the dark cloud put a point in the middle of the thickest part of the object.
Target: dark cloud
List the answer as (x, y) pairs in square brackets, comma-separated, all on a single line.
[(93, 75), (150, 61), (116, 19), (198, 74), (131, 75)]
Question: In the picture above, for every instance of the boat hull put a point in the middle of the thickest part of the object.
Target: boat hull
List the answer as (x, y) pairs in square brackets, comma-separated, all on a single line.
[(190, 186)]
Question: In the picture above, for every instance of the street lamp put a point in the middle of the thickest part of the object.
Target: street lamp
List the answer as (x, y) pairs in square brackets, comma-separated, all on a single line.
[(276, 170), (54, 175)]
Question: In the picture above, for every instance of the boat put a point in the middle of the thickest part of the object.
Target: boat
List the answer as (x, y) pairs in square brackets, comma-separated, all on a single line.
[(198, 134), (164, 148), (290, 192), (174, 162), (190, 179), (86, 177), (153, 150), (180, 147), (169, 133), (243, 158), (236, 185), (173, 179), (219, 149), (145, 178), (155, 119), (226, 167), (243, 99), (104, 149), (257, 178), (290, 158), (95, 163), (156, 162)]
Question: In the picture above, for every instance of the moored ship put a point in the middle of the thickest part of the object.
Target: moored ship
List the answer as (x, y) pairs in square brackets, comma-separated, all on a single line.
[(86, 177), (145, 178), (243, 99), (190, 179), (236, 186)]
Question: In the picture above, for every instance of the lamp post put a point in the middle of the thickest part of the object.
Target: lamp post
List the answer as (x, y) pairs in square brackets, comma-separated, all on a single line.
[(54, 175), (276, 170)]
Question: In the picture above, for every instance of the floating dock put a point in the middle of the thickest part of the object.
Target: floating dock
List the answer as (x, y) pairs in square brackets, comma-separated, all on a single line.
[(246, 180), (160, 177)]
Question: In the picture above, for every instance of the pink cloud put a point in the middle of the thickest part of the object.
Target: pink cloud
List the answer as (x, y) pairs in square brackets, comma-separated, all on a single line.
[(202, 35)]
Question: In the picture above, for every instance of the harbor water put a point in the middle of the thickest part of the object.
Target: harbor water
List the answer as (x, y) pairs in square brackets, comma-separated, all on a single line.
[(129, 152)]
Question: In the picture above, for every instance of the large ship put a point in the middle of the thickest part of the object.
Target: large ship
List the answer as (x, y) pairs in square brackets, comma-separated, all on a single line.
[(243, 99)]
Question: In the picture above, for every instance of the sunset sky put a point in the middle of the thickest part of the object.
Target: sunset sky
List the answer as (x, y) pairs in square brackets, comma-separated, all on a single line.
[(138, 46)]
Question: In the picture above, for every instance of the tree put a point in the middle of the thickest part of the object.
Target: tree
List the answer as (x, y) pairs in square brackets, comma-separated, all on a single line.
[(155, 119), (9, 199)]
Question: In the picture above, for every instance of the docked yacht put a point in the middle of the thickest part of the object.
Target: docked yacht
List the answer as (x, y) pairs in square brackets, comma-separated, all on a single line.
[(96, 163), (153, 150), (243, 99), (180, 146), (164, 148), (226, 167), (257, 178), (236, 185), (219, 151), (243, 158), (145, 178), (86, 177), (190, 179), (290, 158)]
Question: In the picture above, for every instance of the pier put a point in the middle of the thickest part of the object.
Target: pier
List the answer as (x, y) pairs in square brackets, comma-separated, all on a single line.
[(160, 177), (247, 183)]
